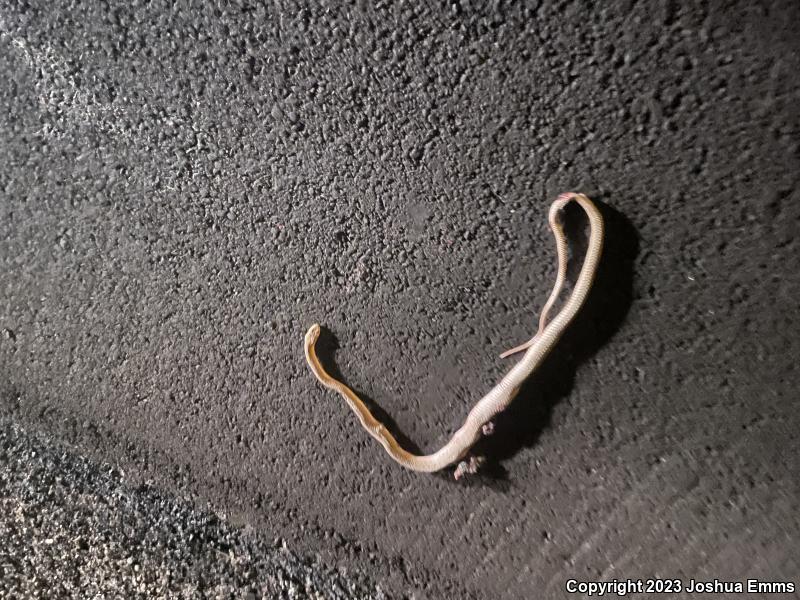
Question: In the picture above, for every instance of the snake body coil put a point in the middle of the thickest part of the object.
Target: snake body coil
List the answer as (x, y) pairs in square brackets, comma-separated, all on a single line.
[(478, 420)]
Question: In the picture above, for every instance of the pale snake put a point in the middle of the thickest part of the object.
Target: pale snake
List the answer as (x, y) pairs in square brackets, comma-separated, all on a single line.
[(478, 420)]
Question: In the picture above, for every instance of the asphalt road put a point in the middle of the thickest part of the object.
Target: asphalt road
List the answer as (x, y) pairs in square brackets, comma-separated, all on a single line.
[(185, 188), (71, 528)]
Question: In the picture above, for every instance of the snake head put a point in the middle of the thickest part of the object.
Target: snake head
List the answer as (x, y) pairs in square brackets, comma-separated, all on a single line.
[(312, 335)]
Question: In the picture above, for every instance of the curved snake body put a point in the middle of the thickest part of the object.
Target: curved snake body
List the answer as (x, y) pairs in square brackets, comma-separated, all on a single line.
[(478, 421)]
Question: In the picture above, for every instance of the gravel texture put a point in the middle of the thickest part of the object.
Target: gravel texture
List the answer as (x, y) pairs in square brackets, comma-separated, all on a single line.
[(72, 529), (185, 187)]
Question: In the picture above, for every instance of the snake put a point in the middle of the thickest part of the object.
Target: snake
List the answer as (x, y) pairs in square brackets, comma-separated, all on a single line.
[(479, 420)]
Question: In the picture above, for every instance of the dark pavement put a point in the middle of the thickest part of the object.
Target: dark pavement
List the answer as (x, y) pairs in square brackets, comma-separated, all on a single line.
[(71, 529), (185, 188)]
